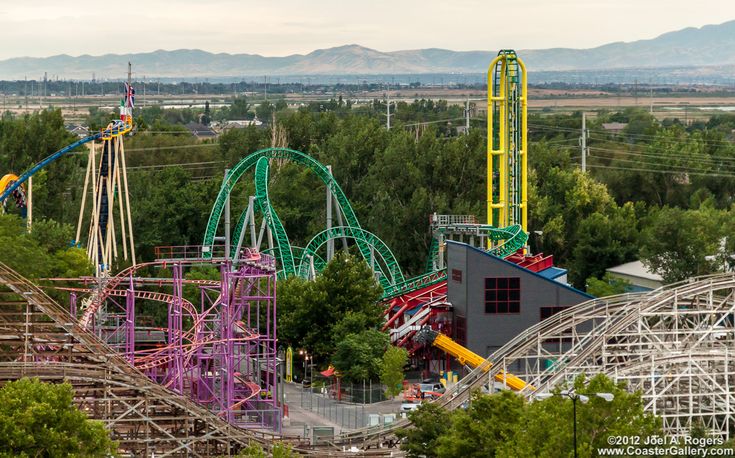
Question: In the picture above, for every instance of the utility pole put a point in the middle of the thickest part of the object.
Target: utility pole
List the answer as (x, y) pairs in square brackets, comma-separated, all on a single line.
[(583, 142), (651, 99), (635, 92), (387, 111), (467, 116)]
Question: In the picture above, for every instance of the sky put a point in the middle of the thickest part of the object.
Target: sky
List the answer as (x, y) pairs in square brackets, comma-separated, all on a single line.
[(41, 28)]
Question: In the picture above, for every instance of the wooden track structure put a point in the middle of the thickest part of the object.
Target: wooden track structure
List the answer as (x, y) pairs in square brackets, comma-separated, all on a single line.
[(40, 339)]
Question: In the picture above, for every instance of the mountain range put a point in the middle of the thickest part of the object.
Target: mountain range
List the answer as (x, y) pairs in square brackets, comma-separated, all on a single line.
[(691, 47)]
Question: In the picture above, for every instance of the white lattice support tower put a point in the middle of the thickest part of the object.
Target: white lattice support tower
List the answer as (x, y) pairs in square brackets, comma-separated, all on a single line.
[(675, 345)]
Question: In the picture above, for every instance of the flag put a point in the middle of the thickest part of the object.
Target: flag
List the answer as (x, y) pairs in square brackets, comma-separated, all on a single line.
[(129, 96)]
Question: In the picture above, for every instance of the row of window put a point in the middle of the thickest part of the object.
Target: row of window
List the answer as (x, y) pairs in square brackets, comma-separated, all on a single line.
[(503, 296)]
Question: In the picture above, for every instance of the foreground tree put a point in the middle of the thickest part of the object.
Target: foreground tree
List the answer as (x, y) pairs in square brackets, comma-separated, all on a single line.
[(430, 422), (484, 427), (504, 424), (39, 419), (546, 428), (391, 372), (341, 301), (359, 356)]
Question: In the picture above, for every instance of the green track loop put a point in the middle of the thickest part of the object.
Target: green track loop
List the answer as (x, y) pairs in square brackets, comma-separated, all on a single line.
[(284, 255), (284, 252), (384, 262), (294, 260), (276, 153)]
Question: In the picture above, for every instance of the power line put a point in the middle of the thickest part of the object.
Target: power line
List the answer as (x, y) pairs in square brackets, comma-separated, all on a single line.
[(162, 148), (719, 161), (672, 167), (662, 171), (604, 132), (185, 164), (433, 122)]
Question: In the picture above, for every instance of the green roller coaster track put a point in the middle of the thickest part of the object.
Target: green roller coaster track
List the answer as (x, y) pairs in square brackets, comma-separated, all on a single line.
[(284, 254), (366, 242), (390, 272), (293, 260), (277, 153)]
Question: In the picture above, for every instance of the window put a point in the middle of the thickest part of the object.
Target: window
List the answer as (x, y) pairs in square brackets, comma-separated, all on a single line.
[(457, 275), (460, 330), (502, 295), (547, 312)]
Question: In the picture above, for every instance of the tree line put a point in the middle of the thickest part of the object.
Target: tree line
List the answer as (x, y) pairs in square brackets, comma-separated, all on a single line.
[(659, 190)]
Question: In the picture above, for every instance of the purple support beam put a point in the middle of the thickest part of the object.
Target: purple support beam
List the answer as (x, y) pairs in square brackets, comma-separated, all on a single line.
[(226, 359), (130, 322), (73, 304)]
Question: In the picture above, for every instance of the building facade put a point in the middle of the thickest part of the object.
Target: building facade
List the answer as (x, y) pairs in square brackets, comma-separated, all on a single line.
[(494, 300)]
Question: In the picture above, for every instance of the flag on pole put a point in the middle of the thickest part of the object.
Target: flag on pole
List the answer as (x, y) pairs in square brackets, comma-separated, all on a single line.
[(129, 96)]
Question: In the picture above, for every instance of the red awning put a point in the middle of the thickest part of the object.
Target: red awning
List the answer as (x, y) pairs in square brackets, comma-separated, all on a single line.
[(329, 372)]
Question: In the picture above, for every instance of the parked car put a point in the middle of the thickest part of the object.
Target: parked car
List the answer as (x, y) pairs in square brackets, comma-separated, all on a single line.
[(409, 406), (432, 387)]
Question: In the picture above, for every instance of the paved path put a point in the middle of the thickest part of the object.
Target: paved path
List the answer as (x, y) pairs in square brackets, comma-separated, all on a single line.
[(300, 416)]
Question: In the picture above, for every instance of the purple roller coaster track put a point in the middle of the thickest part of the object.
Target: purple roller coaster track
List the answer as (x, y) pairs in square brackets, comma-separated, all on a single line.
[(220, 352)]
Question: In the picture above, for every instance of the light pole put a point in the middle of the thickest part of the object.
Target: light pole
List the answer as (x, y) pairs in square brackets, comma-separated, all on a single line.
[(307, 358), (305, 355), (574, 396)]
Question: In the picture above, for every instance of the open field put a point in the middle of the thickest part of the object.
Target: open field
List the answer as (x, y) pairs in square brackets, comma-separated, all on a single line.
[(703, 103)]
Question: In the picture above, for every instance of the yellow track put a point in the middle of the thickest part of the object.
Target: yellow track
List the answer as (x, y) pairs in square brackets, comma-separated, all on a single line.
[(5, 181), (465, 356)]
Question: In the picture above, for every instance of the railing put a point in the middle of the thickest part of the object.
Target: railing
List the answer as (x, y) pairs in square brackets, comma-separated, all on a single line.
[(447, 220), (188, 251), (196, 252), (345, 414)]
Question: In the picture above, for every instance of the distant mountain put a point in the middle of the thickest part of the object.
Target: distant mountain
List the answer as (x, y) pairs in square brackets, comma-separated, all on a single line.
[(691, 47)]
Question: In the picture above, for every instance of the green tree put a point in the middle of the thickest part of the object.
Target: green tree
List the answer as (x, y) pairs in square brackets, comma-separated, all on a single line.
[(359, 356), (264, 111), (343, 298), (391, 371), (429, 423), (39, 419), (677, 244), (207, 116), (604, 240), (545, 428), (239, 109), (608, 285), (277, 451), (47, 248), (484, 427)]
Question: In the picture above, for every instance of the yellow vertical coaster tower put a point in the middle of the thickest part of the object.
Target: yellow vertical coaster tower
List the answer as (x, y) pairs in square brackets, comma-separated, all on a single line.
[(507, 153)]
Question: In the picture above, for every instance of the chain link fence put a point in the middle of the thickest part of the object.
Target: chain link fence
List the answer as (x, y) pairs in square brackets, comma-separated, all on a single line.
[(344, 407)]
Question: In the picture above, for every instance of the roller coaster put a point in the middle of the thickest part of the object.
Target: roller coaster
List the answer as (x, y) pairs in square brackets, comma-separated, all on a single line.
[(108, 183), (18, 194), (202, 383), (673, 345), (307, 261)]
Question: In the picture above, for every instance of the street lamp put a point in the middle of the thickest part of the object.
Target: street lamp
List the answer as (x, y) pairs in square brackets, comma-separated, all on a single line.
[(574, 396), (305, 355)]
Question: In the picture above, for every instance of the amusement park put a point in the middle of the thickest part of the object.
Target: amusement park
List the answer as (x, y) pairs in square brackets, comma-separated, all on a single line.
[(212, 290)]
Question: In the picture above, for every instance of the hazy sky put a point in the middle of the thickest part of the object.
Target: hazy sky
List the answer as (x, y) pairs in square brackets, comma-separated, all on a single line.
[(279, 27)]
